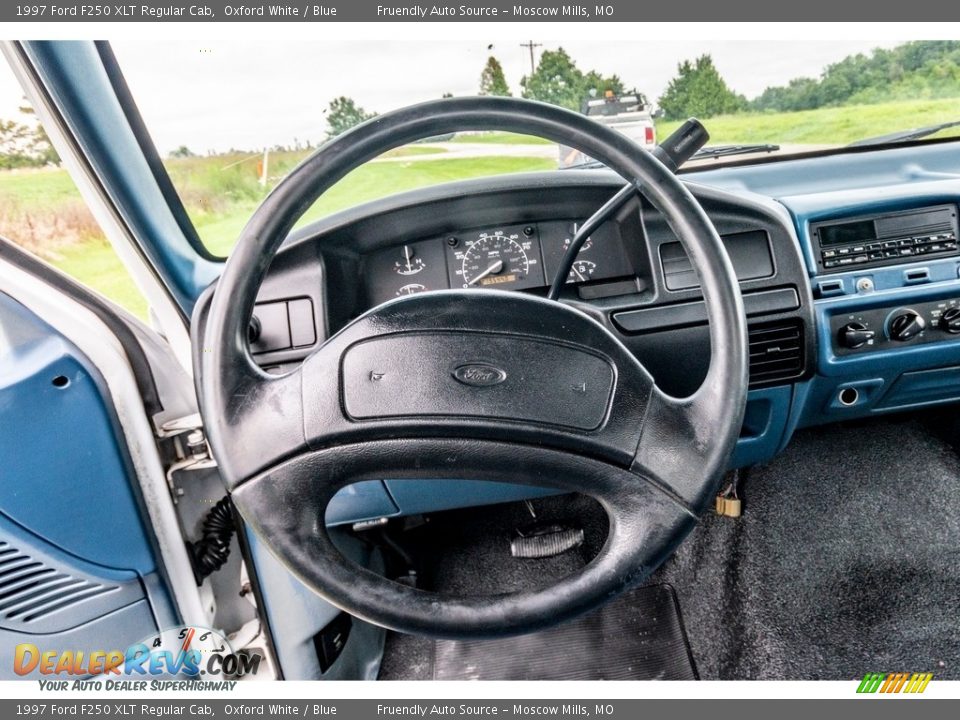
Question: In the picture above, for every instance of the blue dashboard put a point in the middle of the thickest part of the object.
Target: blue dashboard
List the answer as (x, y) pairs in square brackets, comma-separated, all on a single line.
[(920, 371)]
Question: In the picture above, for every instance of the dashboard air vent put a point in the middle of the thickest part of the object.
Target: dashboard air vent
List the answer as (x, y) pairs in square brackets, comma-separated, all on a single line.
[(776, 352)]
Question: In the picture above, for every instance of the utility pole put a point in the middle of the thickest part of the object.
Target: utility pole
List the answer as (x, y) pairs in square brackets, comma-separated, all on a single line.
[(530, 44)]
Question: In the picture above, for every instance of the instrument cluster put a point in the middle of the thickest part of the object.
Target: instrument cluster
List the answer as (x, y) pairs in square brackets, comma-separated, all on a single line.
[(508, 257)]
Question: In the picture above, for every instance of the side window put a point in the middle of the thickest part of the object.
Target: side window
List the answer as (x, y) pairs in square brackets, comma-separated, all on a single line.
[(42, 211)]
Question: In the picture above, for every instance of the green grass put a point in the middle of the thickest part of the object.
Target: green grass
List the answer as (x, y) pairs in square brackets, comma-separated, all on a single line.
[(372, 181), (37, 188), (826, 126), (500, 138), (49, 218), (96, 265)]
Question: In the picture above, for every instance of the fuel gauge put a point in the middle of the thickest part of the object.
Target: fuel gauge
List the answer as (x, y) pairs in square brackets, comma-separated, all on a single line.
[(582, 270)]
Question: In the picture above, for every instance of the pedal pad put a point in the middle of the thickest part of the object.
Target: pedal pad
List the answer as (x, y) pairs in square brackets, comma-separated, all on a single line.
[(728, 506), (546, 541)]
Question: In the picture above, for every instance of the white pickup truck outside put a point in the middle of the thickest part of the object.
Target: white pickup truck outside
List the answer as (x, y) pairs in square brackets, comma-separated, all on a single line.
[(627, 114)]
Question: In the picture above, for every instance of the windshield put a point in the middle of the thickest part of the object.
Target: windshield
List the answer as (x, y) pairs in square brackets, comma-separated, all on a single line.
[(230, 119)]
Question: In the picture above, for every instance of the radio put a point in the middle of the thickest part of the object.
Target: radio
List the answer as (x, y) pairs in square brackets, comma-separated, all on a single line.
[(889, 239), (896, 326)]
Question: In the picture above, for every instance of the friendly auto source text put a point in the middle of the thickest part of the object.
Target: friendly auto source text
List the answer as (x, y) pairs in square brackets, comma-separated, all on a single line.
[(519, 11)]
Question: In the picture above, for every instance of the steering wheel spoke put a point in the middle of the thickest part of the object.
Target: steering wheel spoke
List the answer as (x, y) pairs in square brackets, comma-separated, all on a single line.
[(261, 419), (680, 444)]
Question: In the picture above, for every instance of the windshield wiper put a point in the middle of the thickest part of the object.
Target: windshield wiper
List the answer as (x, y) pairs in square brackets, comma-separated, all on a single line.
[(718, 151), (905, 135), (711, 151)]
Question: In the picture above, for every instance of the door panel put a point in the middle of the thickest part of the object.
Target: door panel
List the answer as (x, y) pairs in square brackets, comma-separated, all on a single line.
[(77, 564)]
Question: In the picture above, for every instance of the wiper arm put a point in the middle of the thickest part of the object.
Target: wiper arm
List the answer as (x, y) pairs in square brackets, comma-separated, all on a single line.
[(905, 135), (713, 151), (717, 151), (585, 164)]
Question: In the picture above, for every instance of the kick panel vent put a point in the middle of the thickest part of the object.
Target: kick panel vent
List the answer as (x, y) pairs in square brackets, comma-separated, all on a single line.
[(776, 352), (31, 589)]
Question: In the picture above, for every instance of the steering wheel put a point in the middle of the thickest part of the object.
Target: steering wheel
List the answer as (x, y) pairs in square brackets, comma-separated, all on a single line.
[(470, 384)]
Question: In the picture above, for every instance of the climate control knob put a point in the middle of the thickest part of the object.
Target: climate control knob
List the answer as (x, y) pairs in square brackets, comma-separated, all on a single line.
[(854, 335), (950, 320), (905, 325)]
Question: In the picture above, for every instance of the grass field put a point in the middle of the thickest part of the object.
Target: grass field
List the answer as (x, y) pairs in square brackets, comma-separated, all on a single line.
[(41, 209), (827, 126)]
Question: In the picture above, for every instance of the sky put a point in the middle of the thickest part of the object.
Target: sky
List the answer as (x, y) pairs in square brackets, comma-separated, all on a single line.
[(249, 95)]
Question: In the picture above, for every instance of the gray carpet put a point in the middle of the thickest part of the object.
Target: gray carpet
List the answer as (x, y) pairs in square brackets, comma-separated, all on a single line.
[(847, 560)]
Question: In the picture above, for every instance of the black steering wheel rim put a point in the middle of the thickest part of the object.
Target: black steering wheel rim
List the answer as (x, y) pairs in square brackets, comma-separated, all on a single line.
[(652, 479)]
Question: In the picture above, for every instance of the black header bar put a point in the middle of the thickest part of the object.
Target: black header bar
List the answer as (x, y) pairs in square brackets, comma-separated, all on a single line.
[(320, 11)]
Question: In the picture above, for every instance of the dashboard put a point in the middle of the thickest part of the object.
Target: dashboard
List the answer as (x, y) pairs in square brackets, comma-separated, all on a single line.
[(849, 266)]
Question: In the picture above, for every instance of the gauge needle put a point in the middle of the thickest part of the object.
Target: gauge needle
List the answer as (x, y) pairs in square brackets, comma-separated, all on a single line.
[(578, 273), (494, 268), (407, 254)]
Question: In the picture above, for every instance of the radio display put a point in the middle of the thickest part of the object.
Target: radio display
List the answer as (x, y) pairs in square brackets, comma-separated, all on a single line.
[(852, 232)]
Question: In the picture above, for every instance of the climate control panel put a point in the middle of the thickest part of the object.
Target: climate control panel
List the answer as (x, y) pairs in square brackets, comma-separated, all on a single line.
[(895, 326)]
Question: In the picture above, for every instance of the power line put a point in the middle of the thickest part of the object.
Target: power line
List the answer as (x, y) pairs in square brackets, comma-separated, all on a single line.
[(530, 44)]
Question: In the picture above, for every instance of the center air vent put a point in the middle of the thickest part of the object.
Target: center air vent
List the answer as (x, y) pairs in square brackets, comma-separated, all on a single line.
[(776, 352)]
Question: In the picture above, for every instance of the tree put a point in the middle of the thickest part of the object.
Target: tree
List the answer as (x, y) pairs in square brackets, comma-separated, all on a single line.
[(557, 80), (918, 69), (699, 90), (343, 113), (492, 80), (182, 152), (39, 145)]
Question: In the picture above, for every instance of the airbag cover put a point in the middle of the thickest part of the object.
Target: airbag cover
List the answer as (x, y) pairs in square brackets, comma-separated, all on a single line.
[(460, 374)]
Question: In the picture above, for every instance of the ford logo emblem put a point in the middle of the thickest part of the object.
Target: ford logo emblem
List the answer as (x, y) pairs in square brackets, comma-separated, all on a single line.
[(479, 374)]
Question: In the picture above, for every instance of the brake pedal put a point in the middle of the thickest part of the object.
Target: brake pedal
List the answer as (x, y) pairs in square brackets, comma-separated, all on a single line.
[(546, 541)]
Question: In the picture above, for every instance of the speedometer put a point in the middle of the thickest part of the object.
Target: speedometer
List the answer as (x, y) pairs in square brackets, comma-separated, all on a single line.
[(494, 258)]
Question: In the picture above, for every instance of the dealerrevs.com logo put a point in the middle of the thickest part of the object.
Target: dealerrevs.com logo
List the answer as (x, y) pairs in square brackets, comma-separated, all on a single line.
[(182, 652)]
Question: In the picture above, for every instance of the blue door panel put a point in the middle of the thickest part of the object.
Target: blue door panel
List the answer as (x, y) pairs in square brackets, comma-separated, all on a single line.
[(77, 565), (65, 477)]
